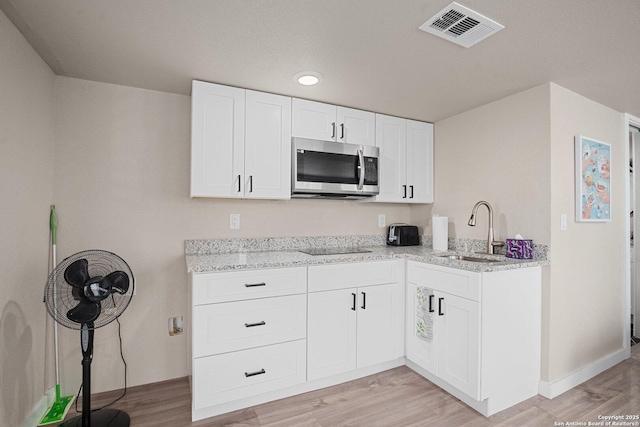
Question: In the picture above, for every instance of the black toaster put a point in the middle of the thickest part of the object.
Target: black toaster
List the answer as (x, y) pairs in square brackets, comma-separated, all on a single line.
[(403, 235)]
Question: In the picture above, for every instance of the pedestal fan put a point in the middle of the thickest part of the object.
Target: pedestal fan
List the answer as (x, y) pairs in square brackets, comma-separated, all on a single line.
[(86, 291)]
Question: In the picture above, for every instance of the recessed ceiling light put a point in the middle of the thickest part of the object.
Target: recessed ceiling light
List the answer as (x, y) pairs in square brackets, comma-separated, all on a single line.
[(308, 78)]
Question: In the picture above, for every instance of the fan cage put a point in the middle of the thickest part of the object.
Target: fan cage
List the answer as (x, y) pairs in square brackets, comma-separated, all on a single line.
[(59, 295)]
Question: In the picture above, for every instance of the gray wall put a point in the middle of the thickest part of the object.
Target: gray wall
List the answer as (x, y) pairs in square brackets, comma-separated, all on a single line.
[(26, 187)]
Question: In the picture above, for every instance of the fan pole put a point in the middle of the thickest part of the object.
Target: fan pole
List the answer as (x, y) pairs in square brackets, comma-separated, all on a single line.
[(86, 339)]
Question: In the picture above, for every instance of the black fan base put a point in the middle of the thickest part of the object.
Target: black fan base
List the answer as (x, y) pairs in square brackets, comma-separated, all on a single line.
[(102, 418)]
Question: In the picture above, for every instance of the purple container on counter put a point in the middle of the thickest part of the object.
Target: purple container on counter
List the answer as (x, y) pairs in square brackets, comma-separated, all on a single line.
[(519, 248)]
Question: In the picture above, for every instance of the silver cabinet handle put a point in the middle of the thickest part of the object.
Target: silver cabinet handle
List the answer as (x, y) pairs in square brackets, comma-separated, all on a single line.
[(341, 130), (251, 325), (253, 374), (411, 189), (360, 169), (333, 131), (251, 184), (364, 301), (239, 181)]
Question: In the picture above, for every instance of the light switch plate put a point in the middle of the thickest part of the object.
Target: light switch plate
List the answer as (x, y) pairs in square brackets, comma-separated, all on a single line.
[(382, 220), (563, 222)]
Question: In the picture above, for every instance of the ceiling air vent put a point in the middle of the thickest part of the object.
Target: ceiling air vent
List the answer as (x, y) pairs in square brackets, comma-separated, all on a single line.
[(461, 25)]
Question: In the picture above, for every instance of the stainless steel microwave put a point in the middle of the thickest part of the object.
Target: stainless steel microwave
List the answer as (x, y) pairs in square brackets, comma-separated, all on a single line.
[(333, 169)]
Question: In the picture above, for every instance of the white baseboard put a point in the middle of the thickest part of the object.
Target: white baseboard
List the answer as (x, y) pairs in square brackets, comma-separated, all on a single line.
[(40, 409), (577, 377)]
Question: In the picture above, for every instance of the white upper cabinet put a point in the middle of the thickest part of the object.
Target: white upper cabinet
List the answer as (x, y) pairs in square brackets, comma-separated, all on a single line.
[(356, 126), (217, 140), (240, 143), (420, 161), (391, 138), (313, 120), (267, 147), (406, 160), (316, 120)]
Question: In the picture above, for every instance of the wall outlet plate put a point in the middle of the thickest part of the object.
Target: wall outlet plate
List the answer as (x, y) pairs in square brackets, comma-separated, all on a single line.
[(382, 220), (234, 221)]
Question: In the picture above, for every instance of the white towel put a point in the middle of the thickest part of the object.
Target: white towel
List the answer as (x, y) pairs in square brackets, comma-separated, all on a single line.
[(424, 319)]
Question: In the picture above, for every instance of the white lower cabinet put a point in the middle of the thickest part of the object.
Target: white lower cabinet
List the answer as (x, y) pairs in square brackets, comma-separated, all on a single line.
[(485, 345), (261, 335), (248, 336), (458, 342), (332, 333), (353, 327), (220, 328), (453, 354), (233, 376)]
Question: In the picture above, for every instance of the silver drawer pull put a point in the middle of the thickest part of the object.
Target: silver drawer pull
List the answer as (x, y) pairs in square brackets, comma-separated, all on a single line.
[(251, 325), (253, 285), (251, 374)]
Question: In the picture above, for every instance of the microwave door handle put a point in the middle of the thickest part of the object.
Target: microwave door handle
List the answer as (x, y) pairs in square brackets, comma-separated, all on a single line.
[(360, 169)]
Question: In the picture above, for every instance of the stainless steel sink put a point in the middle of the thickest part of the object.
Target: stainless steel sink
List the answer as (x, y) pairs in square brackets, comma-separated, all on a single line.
[(468, 258)]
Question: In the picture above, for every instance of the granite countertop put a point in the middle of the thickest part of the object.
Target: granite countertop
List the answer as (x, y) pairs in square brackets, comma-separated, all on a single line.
[(291, 257)]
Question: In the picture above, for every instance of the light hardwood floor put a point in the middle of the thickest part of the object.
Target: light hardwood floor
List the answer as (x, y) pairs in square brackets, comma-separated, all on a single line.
[(398, 397)]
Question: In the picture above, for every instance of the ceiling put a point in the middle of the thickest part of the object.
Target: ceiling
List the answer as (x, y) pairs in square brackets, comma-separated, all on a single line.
[(371, 53)]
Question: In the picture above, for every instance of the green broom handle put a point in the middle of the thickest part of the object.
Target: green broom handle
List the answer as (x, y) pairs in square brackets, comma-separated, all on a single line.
[(53, 225)]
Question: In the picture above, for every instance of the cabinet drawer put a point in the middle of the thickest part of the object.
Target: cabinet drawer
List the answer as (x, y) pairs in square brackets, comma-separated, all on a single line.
[(342, 276), (232, 326), (234, 286), (465, 284), (232, 376)]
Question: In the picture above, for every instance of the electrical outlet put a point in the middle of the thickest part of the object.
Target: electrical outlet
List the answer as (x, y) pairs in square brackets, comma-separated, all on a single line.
[(175, 325), (382, 220), (234, 221)]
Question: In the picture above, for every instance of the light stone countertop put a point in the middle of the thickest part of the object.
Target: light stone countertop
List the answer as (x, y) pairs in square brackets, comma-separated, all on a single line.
[(248, 260)]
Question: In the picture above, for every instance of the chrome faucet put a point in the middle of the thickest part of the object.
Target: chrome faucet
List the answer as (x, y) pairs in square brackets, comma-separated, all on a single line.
[(472, 222)]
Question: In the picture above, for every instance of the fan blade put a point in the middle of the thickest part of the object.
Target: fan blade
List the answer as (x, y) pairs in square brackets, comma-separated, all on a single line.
[(84, 312), (118, 281), (77, 273)]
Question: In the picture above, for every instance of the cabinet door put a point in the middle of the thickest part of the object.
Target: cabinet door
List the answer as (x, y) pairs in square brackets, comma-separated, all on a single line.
[(459, 342), (379, 330), (420, 161), (313, 120), (217, 140), (356, 126), (420, 351), (391, 138), (331, 333), (267, 146)]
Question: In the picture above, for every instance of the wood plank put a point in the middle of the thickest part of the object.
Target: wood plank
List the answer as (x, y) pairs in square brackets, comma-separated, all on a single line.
[(398, 397)]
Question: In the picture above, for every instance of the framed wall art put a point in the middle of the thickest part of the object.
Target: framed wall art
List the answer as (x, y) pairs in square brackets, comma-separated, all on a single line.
[(593, 180)]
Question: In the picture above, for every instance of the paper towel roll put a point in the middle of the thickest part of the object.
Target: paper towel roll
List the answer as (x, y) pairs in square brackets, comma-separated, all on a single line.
[(440, 233)]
